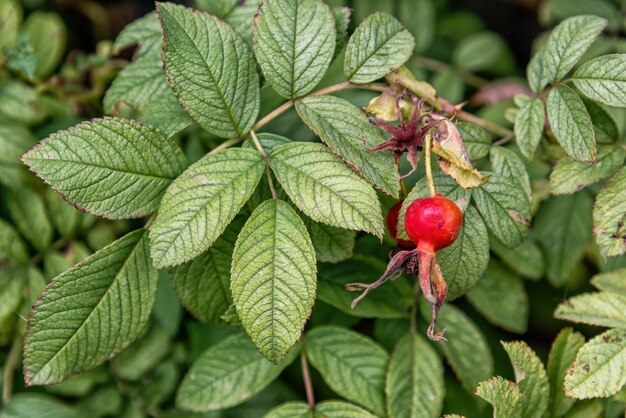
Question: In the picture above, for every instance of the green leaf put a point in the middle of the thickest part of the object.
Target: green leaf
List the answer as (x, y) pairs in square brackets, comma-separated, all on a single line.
[(37, 405), (65, 218), (143, 355), (331, 244), (562, 355), (14, 141), (599, 369), (351, 364), (21, 103), (294, 42), (227, 374), (603, 80), (30, 217), (201, 202), (464, 337), (348, 133), (90, 312), (563, 229), (82, 384), (414, 385), (420, 19), (325, 189), (608, 216), (604, 124), (164, 113), (211, 70), (47, 35), (529, 124), (340, 409), (526, 259), (571, 124), (477, 140), (386, 302), (445, 186), (501, 298), (505, 208), (570, 176), (503, 395), (10, 18), (145, 32), (531, 379), (612, 281), (464, 262), (12, 247), (273, 278), (111, 167), (203, 284), (237, 13), (293, 409), (12, 283), (377, 46), (480, 51), (565, 46), (137, 85), (507, 164), (602, 309), (342, 20)]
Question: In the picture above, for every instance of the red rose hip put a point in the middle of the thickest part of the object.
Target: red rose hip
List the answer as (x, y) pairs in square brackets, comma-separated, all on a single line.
[(392, 225), (433, 223)]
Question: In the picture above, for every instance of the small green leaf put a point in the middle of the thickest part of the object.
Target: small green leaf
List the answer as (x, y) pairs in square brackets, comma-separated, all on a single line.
[(600, 367), (293, 409), (571, 124), (563, 229), (464, 262), (211, 70), (348, 133), (612, 281), (65, 218), (47, 35), (30, 217), (331, 244), (294, 42), (164, 113), (20, 103), (342, 20), (501, 298), (565, 46), (604, 124), (11, 14), (419, 17), (603, 80), (351, 364), (203, 284), (37, 405), (90, 312), (137, 85), (12, 283), (526, 259), (111, 167), (12, 247), (480, 51), (325, 189), (143, 355), (464, 336), (570, 176), (414, 385), (529, 124), (505, 208), (507, 164), (201, 202), (377, 46), (503, 395), (602, 309), (14, 141), (273, 278), (477, 140), (531, 378), (562, 355), (237, 13), (340, 409), (608, 216), (145, 32), (227, 374)]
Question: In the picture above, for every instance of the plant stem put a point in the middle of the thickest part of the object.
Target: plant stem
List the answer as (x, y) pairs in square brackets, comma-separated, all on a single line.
[(503, 141), (439, 66), (485, 124), (226, 144), (429, 169), (306, 377), (267, 163), (9, 368)]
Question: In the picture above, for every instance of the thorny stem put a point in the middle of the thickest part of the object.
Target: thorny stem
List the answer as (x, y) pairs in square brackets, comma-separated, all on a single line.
[(267, 163), (9, 368), (439, 66), (429, 169), (306, 377)]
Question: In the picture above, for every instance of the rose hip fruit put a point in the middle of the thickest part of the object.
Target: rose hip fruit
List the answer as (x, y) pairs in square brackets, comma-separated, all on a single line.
[(392, 225), (433, 223)]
